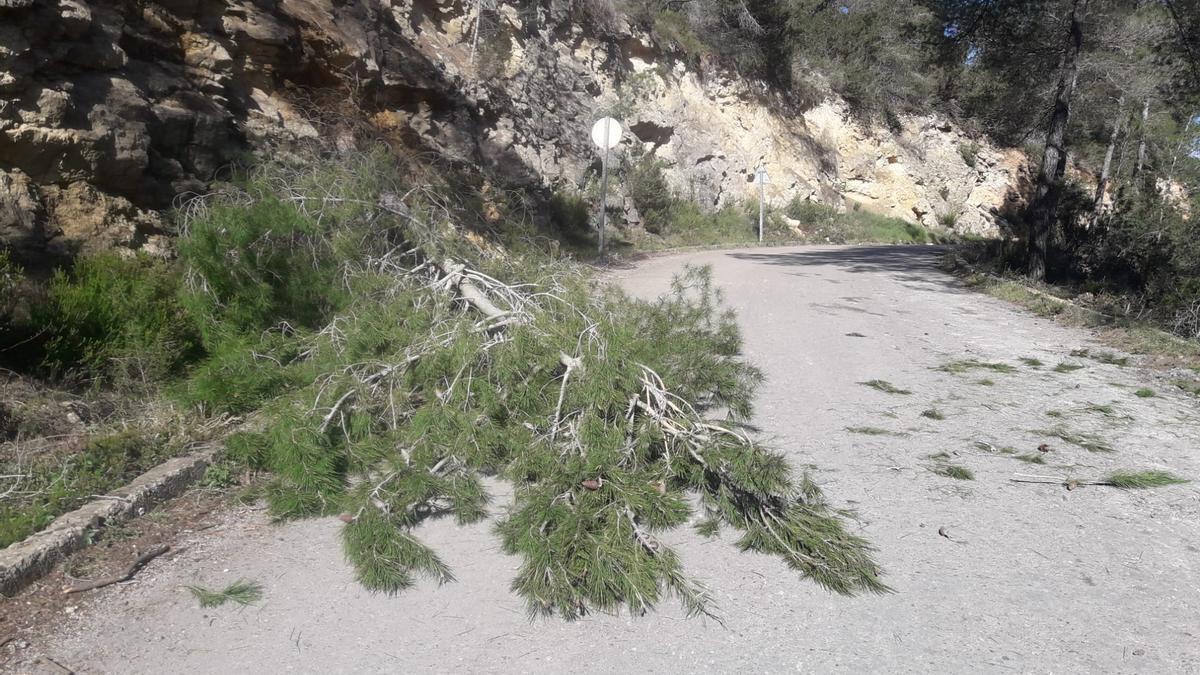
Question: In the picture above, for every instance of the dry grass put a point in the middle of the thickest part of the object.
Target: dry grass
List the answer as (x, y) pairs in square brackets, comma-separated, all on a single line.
[(1126, 335)]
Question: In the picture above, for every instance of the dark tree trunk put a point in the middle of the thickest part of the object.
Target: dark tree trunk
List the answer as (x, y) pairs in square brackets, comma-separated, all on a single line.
[(1048, 191), (1106, 172)]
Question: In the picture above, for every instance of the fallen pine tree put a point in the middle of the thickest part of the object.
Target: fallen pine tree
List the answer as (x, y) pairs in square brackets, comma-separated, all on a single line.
[(429, 360)]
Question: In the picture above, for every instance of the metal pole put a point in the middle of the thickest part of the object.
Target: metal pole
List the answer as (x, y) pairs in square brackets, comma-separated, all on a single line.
[(604, 191), (762, 202)]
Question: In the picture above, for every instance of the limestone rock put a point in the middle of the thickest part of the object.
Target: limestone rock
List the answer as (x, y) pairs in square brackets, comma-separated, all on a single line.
[(21, 213), (83, 219), (109, 111)]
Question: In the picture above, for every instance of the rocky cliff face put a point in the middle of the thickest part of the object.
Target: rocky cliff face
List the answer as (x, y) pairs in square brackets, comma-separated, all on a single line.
[(109, 111)]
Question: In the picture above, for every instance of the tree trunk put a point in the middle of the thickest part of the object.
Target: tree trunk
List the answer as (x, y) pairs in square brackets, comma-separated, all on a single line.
[(1102, 184), (1049, 187), (1183, 143), (1141, 160)]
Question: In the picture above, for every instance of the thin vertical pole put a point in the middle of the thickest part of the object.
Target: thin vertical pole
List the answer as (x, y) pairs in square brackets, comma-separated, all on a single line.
[(762, 202), (604, 190)]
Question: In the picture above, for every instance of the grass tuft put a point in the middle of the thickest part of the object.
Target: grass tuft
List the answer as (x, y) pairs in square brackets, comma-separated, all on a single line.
[(1110, 358), (1032, 458), (242, 592), (1065, 367), (1032, 362), (1139, 480), (886, 387), (954, 471), (872, 431), (1145, 392), (988, 447), (966, 365), (1085, 441)]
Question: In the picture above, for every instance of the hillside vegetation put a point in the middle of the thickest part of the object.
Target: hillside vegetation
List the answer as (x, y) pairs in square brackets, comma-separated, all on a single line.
[(1104, 96), (385, 364)]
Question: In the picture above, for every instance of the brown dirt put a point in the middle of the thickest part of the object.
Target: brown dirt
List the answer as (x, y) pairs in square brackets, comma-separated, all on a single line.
[(28, 619)]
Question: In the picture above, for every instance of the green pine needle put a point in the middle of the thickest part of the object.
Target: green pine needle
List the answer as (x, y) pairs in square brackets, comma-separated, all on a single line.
[(1139, 480), (954, 471), (886, 387), (389, 398), (241, 592)]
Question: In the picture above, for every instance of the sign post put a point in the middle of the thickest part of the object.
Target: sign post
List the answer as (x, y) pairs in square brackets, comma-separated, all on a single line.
[(606, 134), (760, 177)]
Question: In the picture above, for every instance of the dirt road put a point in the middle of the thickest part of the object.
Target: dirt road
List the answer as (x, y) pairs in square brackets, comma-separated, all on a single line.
[(989, 574)]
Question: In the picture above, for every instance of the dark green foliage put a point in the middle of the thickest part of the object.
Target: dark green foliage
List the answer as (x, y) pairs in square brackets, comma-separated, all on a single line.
[(570, 214), (245, 371), (113, 313), (650, 193), (385, 556), (261, 263)]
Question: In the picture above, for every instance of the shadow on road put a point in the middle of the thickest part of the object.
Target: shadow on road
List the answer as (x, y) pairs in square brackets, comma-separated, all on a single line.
[(907, 264)]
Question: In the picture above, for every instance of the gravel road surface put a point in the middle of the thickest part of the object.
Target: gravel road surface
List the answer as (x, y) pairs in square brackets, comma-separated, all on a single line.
[(989, 574)]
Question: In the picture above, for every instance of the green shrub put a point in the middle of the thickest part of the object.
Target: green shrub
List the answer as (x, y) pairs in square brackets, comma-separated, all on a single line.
[(809, 212), (674, 28), (570, 214), (948, 219), (243, 372), (650, 193), (824, 223), (112, 313), (257, 265), (10, 276), (969, 152), (20, 347)]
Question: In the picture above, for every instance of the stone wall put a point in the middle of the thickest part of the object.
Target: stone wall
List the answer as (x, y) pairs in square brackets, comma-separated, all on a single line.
[(111, 111)]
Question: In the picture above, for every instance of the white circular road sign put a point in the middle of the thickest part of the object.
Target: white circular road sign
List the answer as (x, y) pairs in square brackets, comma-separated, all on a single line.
[(606, 133)]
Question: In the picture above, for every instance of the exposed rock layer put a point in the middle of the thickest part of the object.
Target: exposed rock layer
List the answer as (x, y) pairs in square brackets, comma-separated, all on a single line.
[(110, 111)]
